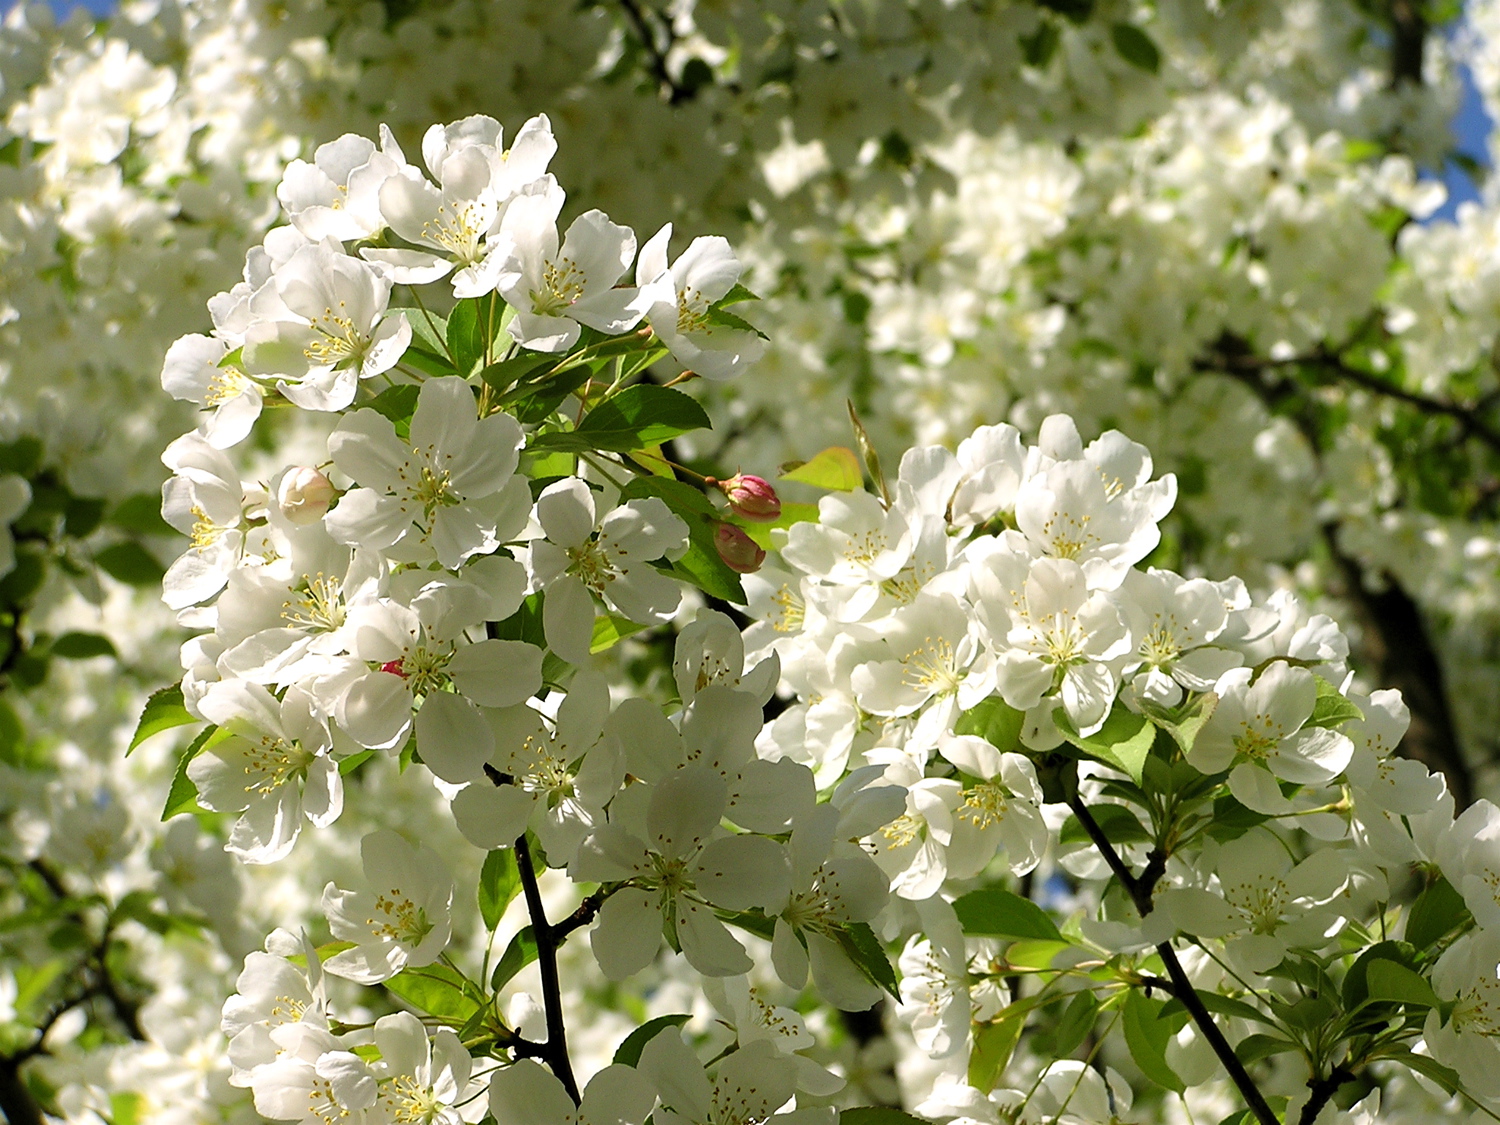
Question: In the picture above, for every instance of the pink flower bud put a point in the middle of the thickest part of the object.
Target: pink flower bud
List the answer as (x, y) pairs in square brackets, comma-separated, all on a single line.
[(739, 552), (304, 495), (752, 498)]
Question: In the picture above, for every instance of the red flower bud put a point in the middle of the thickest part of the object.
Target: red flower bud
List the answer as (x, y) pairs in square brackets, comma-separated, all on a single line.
[(739, 552), (394, 667), (752, 498)]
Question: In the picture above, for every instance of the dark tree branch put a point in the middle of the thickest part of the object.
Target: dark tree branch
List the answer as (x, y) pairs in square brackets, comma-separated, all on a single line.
[(16, 1102), (1396, 636), (1408, 41), (1331, 369), (1182, 988), (1397, 641), (556, 1047), (656, 56), (1322, 1092)]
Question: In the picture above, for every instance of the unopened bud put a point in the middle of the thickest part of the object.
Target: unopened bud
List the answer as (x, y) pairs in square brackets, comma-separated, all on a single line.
[(752, 498), (304, 495), (739, 552)]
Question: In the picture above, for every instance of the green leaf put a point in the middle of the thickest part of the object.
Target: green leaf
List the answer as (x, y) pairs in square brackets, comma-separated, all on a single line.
[(1446, 1077), (504, 375), (1136, 47), (523, 625), (499, 883), (1438, 911), (430, 329), (877, 1115), (1355, 989), (429, 363), (609, 630), (1146, 1034), (1039, 47), (1183, 723), (861, 945), (836, 468), (1123, 742), (791, 513), (735, 296), (1253, 1048), (437, 990), (1232, 819), (130, 563), (994, 1043), (22, 456), (398, 403), (354, 761), (164, 710), (701, 565), (466, 334), (629, 1051), (1331, 708), (722, 318), (1076, 1023), (521, 952), (639, 416), (183, 796), (993, 912), (995, 721), (1390, 981), (867, 451), (141, 514), (82, 515), (82, 646)]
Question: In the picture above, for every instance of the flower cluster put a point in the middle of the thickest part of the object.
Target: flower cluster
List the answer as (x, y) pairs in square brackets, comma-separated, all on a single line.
[(980, 677)]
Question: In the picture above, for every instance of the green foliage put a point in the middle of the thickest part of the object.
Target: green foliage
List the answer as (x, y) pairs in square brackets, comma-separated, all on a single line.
[(862, 947), (993, 912), (1438, 911), (1122, 743), (1146, 1034), (499, 883), (835, 468), (129, 562), (637, 417), (1331, 708), (521, 952), (439, 991), (628, 1053), (995, 721), (183, 796), (1136, 47)]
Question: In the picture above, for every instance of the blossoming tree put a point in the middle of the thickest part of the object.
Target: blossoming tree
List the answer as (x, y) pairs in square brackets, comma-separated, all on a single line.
[(1186, 223)]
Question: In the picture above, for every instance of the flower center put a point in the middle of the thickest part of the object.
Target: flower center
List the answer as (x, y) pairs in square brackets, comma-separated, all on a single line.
[(985, 804), (591, 565), (1262, 900), (1477, 1009), (205, 532), (410, 1102), (458, 229), (1068, 536), (341, 340), (397, 918), (271, 762), (692, 313), (931, 667), (562, 284), (318, 605)]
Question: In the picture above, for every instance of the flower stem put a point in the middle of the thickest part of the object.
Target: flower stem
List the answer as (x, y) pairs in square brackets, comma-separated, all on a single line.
[(556, 1048)]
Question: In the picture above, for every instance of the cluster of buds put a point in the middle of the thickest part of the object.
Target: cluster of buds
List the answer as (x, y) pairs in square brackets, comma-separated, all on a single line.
[(750, 498)]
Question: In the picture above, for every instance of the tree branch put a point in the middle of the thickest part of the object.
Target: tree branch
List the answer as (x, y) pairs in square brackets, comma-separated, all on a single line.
[(676, 92), (1408, 42), (556, 1047), (1322, 1092), (1182, 987)]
